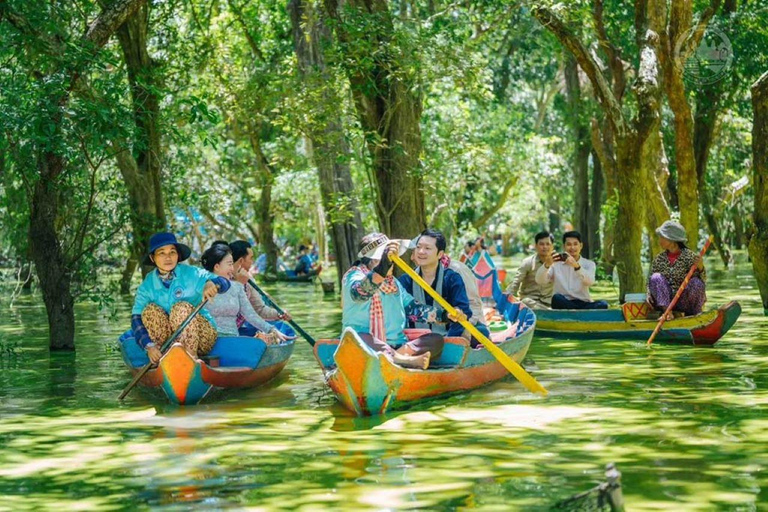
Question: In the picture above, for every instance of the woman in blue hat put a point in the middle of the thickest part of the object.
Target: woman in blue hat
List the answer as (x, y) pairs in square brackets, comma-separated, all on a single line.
[(169, 294), (668, 271)]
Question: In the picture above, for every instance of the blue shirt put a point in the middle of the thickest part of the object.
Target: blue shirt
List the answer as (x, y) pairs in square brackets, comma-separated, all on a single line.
[(305, 265), (454, 292), (186, 285), (261, 263)]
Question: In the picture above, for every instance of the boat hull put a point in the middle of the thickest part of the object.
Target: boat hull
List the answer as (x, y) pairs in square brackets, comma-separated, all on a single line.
[(369, 383), (704, 329), (244, 362)]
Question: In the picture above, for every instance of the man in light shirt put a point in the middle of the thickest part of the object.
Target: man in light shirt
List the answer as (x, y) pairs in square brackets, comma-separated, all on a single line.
[(571, 275), (524, 286)]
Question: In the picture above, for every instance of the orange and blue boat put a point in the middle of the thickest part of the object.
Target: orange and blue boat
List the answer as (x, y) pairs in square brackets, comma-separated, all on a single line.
[(704, 329), (369, 383), (234, 362)]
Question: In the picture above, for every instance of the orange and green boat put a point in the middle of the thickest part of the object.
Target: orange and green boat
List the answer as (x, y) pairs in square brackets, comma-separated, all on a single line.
[(704, 329), (369, 383), (234, 362)]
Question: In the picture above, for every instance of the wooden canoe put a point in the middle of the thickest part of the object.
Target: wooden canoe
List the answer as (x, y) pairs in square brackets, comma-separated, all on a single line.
[(369, 383), (704, 329), (290, 276), (242, 362)]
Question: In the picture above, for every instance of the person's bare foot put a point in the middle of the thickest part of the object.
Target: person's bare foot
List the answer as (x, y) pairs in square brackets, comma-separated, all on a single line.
[(420, 362)]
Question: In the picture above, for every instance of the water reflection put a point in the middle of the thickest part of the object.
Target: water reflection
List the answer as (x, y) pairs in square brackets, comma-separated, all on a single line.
[(685, 426)]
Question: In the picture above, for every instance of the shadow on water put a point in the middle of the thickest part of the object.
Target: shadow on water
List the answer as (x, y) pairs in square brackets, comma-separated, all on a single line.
[(685, 425)]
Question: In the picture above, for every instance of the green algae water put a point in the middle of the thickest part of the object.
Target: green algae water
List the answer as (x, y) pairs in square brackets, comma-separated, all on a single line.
[(686, 426)]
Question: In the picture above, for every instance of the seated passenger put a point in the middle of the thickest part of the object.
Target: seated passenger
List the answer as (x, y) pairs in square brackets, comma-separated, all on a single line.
[(524, 286), (572, 276), (168, 295), (242, 254), (304, 264), (376, 306), (669, 269), (232, 303), (430, 248), (473, 294)]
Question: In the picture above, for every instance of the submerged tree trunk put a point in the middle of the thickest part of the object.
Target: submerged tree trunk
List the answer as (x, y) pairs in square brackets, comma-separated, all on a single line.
[(51, 263), (330, 150), (581, 151), (141, 166), (758, 245), (53, 266), (389, 107)]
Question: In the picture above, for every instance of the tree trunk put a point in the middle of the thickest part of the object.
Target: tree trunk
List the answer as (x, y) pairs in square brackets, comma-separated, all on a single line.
[(602, 144), (655, 174), (141, 167), (678, 40), (738, 226), (389, 107), (595, 204), (330, 150), (758, 245), (630, 218), (266, 224), (581, 151), (50, 262)]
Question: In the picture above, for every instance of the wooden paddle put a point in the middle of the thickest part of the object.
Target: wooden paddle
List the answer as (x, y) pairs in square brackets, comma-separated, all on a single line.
[(163, 349), (277, 308), (508, 363), (679, 291)]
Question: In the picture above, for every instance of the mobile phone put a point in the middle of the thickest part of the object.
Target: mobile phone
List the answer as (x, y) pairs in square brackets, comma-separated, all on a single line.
[(560, 256)]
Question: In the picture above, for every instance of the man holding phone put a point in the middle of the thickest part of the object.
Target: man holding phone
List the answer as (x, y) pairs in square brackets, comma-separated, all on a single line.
[(571, 274)]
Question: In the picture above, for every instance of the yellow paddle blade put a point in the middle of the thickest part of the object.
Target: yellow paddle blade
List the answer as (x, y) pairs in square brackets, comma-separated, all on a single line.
[(508, 363)]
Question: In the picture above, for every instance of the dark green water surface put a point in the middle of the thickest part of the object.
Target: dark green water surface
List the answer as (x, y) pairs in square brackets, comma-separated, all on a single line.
[(686, 426)]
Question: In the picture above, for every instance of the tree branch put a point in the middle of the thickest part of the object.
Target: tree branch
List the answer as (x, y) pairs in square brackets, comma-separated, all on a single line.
[(697, 33), (615, 64), (480, 222), (587, 62)]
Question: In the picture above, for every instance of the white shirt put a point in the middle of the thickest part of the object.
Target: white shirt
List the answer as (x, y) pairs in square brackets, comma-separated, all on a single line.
[(574, 284)]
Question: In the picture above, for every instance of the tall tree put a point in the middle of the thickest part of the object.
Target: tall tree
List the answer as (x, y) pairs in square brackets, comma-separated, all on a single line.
[(384, 74), (66, 59), (758, 245), (678, 39), (330, 150), (140, 162), (629, 136)]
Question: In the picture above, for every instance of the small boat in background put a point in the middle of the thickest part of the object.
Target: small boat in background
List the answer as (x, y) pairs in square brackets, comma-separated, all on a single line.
[(703, 329), (291, 276), (369, 383), (234, 362)]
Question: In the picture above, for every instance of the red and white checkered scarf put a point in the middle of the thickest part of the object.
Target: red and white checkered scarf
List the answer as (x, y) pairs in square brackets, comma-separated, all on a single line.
[(376, 314)]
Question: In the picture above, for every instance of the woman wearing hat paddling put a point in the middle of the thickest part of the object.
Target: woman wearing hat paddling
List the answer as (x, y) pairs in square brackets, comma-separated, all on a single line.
[(377, 307), (669, 269), (169, 294)]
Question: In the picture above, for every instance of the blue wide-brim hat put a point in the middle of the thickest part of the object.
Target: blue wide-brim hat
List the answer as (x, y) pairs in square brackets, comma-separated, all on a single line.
[(159, 240)]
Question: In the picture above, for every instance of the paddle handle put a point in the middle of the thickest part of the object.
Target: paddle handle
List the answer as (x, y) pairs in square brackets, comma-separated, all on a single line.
[(163, 349), (271, 303), (680, 290), (508, 363)]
